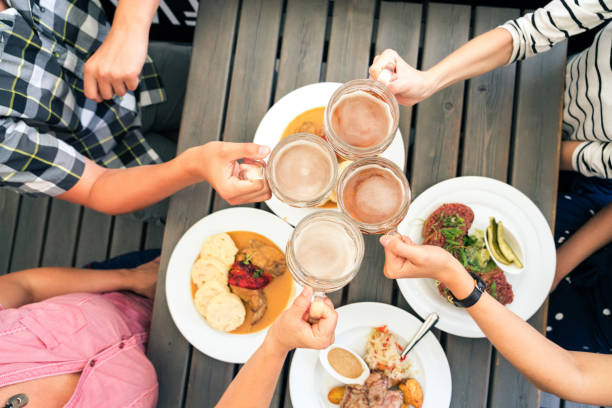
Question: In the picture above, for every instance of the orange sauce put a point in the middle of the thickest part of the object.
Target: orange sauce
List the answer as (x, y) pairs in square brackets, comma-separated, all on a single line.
[(310, 121), (278, 291)]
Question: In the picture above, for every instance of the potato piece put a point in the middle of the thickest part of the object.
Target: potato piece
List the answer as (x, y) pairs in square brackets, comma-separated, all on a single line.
[(413, 394), (336, 394)]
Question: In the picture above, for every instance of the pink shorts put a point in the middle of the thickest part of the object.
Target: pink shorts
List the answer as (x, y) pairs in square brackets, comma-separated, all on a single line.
[(103, 336)]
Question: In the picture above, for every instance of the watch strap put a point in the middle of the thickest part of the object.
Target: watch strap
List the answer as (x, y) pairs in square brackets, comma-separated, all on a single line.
[(472, 298)]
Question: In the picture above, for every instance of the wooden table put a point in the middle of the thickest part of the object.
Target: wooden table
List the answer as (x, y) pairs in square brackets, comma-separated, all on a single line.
[(505, 125)]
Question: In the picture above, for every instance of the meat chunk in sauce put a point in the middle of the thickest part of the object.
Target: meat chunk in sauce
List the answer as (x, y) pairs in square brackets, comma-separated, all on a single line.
[(375, 393), (255, 299), (266, 257)]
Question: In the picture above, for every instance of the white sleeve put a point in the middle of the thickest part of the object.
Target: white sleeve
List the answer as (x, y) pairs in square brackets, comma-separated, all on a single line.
[(593, 159), (539, 31)]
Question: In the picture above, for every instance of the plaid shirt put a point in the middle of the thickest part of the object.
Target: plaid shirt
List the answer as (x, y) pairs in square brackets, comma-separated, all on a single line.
[(47, 125)]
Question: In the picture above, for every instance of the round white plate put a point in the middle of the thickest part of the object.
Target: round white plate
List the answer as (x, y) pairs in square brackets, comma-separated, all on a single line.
[(487, 198), (275, 122), (309, 383), (231, 348)]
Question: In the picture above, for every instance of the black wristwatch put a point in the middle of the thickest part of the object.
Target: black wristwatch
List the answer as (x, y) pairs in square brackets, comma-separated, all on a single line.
[(479, 288)]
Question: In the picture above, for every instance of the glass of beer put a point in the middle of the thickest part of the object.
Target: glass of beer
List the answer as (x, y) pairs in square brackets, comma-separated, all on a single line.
[(375, 193), (325, 251), (361, 119), (301, 171)]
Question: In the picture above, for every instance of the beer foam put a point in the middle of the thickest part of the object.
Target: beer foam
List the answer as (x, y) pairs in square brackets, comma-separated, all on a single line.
[(361, 119), (325, 250), (303, 171)]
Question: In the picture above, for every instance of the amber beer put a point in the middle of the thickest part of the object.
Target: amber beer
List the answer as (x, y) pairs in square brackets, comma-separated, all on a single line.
[(361, 119), (325, 251), (302, 170), (375, 193)]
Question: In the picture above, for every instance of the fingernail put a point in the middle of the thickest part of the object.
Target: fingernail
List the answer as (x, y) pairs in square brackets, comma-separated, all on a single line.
[(384, 240), (264, 150)]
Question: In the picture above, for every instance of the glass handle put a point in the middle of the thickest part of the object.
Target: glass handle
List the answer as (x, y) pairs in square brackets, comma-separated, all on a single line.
[(393, 233), (251, 172)]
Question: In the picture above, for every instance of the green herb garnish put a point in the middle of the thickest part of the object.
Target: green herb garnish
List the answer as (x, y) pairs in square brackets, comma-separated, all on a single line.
[(247, 259), (493, 290), (258, 273)]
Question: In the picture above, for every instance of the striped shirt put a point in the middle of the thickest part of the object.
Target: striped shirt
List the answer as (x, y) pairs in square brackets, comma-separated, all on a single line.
[(587, 105), (47, 125)]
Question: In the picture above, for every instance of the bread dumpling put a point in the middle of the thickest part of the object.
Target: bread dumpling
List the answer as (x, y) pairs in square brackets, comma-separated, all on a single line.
[(208, 269), (225, 312), (220, 246), (206, 292)]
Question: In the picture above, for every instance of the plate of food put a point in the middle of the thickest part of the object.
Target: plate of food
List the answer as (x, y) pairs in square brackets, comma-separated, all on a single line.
[(301, 111), (375, 332), (227, 281), (495, 231)]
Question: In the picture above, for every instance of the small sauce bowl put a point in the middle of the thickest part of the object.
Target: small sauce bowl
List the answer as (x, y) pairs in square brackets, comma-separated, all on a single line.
[(516, 247), (323, 357)]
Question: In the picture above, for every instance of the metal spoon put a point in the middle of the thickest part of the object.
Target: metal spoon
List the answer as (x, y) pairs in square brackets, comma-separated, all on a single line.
[(432, 318)]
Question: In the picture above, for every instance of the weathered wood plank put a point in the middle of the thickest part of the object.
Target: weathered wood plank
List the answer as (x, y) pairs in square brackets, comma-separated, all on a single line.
[(348, 58), (570, 404), (9, 208), (30, 231), (251, 84), (486, 141), (438, 118), (154, 237), (534, 171), (488, 119), (127, 235), (400, 29), (62, 231), (349, 43), (201, 122), (549, 401), (94, 237), (302, 47)]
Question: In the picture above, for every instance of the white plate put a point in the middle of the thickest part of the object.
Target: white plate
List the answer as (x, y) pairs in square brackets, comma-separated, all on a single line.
[(487, 198), (309, 383), (231, 348), (275, 121)]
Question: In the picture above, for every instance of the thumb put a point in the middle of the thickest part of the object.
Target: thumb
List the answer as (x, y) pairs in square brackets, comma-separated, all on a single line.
[(302, 302), (254, 151)]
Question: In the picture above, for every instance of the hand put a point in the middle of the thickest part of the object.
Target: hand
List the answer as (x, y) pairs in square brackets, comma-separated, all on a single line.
[(217, 163), (291, 329), (409, 85), (405, 259), (143, 278), (114, 68)]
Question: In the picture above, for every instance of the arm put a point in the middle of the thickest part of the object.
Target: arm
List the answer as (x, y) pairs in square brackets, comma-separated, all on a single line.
[(592, 158), (595, 234), (114, 68), (34, 285), (254, 385), (576, 376), (116, 191), (535, 32)]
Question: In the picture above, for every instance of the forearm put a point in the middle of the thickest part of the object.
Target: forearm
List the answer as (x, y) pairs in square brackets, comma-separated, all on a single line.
[(478, 56), (548, 366), (254, 385), (135, 16), (595, 234), (35, 285), (117, 191), (126, 190)]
